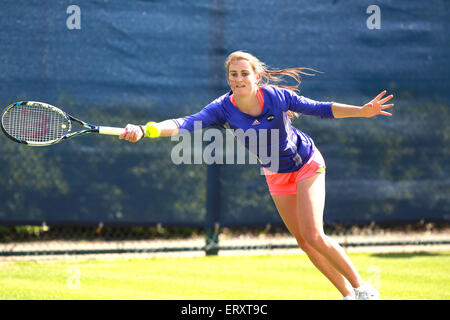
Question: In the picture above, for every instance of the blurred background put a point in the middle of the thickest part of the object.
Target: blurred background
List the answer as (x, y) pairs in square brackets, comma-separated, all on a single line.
[(119, 62)]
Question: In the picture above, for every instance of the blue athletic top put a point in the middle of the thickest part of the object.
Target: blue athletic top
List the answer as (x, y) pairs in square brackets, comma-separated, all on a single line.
[(294, 147)]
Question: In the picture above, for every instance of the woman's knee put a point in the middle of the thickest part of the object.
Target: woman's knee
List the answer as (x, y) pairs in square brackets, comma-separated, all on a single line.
[(315, 239), (303, 244)]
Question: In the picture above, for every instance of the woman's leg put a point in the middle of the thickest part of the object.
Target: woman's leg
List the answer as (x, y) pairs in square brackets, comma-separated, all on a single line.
[(310, 205), (287, 208)]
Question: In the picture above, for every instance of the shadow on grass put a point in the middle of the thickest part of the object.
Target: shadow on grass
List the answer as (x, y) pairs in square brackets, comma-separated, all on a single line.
[(408, 254)]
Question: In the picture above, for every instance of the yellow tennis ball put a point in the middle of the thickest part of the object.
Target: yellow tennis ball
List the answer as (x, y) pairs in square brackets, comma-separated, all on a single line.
[(63, 126), (151, 130)]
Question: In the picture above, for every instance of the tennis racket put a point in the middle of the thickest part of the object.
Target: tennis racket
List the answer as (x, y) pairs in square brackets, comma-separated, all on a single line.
[(40, 124)]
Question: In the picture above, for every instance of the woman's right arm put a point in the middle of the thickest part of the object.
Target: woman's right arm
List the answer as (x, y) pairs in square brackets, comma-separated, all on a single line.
[(210, 115), (166, 128), (134, 133)]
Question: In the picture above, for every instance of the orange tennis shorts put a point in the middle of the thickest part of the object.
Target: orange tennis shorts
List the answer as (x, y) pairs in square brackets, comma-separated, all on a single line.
[(286, 183)]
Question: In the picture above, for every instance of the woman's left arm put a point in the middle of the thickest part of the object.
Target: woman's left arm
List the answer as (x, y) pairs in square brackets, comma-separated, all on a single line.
[(370, 109)]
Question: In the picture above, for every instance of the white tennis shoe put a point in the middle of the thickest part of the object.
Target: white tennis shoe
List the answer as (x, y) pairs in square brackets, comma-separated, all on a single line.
[(367, 292), (350, 297)]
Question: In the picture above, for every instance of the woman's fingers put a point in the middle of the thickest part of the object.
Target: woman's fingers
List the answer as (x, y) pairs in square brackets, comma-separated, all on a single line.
[(384, 100), (123, 135), (379, 96), (387, 106), (377, 104), (132, 133)]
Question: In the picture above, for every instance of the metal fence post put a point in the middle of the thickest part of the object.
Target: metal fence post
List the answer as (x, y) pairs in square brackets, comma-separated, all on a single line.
[(212, 210), (216, 79)]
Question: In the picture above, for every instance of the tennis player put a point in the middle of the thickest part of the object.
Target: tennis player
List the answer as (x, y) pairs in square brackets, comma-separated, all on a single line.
[(258, 101)]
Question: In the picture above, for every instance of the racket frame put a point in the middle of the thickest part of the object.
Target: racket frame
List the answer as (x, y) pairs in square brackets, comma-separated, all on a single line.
[(89, 128)]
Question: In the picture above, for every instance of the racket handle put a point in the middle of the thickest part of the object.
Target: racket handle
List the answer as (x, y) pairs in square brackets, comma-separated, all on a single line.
[(111, 130)]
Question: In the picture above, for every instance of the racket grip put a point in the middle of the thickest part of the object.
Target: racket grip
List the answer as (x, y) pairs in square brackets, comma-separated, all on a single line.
[(111, 130)]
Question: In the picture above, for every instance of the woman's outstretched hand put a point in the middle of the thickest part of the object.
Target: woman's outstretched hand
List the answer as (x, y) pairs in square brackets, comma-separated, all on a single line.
[(132, 133), (377, 105)]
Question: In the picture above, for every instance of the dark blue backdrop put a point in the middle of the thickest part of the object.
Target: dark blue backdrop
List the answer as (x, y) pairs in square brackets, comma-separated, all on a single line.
[(150, 60)]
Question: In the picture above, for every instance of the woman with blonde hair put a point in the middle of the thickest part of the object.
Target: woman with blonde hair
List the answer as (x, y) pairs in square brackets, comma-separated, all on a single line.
[(258, 100)]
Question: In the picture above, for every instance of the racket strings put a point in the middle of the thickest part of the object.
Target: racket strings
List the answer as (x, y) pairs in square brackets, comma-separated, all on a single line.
[(35, 123)]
